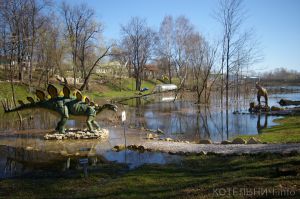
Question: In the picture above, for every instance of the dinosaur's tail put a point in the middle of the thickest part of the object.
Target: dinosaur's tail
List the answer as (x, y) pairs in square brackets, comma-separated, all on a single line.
[(111, 107), (9, 107), (53, 93)]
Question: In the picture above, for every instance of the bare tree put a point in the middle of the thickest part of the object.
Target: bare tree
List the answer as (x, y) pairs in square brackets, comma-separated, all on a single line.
[(121, 57), (237, 49), (14, 15), (230, 15), (202, 60), (137, 42), (22, 21), (82, 32), (165, 47), (37, 20), (87, 47), (77, 20), (50, 49), (4, 44), (105, 52), (184, 31)]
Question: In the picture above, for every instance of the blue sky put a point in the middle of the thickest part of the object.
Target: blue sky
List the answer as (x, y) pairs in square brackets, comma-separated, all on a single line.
[(276, 23)]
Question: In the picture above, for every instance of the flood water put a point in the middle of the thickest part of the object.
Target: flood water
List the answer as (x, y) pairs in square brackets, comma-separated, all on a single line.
[(23, 149), (185, 120), (25, 154), (182, 119)]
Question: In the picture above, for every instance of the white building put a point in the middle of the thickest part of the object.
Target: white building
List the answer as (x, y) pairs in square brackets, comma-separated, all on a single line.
[(164, 87)]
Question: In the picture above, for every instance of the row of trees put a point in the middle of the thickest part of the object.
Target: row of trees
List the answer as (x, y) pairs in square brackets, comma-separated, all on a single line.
[(280, 74), (35, 32), (21, 22)]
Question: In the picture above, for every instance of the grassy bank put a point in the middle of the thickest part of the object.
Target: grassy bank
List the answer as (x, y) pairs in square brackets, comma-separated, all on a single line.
[(287, 131), (112, 89), (195, 177), (108, 90), (21, 91)]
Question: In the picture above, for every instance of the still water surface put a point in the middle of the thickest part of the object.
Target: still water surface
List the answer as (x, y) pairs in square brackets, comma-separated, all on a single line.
[(22, 148), (181, 119)]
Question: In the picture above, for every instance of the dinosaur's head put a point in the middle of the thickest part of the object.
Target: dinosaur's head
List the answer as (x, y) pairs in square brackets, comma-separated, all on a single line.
[(111, 107), (257, 85)]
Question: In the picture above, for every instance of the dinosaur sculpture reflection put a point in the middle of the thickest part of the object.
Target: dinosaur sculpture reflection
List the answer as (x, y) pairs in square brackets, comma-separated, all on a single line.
[(66, 106)]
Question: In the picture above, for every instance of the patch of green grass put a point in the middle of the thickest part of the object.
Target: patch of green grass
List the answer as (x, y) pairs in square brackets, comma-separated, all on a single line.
[(113, 90), (126, 89), (194, 177), (2, 74), (21, 91), (129, 84), (110, 94), (288, 131)]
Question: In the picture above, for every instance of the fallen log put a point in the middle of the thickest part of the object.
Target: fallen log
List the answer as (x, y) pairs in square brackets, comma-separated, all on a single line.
[(285, 102)]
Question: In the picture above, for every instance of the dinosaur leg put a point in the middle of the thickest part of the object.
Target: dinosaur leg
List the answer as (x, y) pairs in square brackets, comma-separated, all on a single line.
[(266, 99), (96, 124), (89, 122), (64, 118), (91, 119), (258, 99), (61, 124)]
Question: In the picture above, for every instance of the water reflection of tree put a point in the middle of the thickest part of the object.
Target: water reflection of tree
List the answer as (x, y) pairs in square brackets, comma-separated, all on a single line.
[(30, 120), (171, 119), (202, 122), (216, 123), (185, 120), (10, 167), (136, 114), (18, 160)]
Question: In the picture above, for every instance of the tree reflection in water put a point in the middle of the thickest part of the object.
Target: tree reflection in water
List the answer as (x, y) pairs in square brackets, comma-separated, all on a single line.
[(187, 121), (180, 120)]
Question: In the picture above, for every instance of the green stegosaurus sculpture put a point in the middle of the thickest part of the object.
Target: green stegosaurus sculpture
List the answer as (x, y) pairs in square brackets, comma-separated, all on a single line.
[(65, 106)]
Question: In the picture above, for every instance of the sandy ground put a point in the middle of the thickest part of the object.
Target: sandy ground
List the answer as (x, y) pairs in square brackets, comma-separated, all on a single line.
[(136, 137), (176, 147)]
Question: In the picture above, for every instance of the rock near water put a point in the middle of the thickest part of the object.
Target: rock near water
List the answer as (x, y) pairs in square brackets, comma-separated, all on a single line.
[(239, 141), (226, 142), (79, 134), (253, 140), (204, 141)]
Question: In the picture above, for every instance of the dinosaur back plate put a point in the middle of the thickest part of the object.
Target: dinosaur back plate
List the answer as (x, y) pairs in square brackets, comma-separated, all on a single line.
[(52, 90)]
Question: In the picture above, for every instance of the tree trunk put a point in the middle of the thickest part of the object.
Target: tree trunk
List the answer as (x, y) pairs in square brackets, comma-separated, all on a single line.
[(138, 83), (227, 88), (170, 72), (74, 75), (86, 80), (20, 72)]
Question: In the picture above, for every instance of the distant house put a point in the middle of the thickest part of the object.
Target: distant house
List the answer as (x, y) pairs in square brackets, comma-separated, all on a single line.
[(251, 79), (70, 80), (103, 70), (151, 71), (5, 60), (256, 78), (113, 68)]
